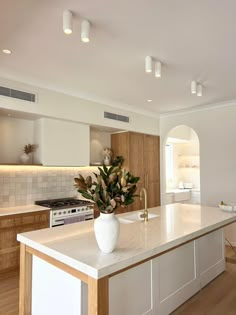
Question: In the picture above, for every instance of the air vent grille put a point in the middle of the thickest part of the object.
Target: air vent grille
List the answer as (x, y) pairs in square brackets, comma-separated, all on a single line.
[(116, 117), (17, 94)]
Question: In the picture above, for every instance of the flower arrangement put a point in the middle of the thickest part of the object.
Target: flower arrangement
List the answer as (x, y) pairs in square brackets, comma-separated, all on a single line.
[(29, 148), (113, 187)]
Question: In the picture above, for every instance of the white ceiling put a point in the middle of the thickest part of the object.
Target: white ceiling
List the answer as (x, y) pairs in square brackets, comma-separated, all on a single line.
[(195, 39)]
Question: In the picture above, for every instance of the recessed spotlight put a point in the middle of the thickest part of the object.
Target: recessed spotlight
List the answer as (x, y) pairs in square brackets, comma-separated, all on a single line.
[(193, 87), (199, 90), (85, 29), (149, 101), (158, 69), (67, 22), (148, 64), (6, 51)]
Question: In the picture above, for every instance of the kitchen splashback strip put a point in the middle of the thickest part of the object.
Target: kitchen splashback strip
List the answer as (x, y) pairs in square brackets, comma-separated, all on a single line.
[(23, 185)]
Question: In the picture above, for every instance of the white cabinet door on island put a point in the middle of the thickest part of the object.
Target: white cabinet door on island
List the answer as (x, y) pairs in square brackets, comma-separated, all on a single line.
[(155, 268), (61, 143)]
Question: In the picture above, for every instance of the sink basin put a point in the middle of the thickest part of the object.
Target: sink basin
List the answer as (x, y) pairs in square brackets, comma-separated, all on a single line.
[(135, 217)]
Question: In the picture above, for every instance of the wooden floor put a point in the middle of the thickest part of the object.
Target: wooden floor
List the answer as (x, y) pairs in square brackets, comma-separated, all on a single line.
[(217, 298), (9, 293)]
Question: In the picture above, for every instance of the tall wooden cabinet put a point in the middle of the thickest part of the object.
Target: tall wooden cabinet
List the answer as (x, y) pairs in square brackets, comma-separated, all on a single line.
[(142, 158)]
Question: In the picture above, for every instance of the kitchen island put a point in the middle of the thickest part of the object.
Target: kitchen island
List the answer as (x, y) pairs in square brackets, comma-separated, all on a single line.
[(155, 267)]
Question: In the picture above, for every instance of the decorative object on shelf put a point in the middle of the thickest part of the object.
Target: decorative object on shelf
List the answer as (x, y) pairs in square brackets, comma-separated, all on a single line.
[(113, 187), (107, 154), (27, 155)]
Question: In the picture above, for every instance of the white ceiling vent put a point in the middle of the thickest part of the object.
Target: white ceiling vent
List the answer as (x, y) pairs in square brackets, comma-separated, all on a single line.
[(21, 95), (116, 117)]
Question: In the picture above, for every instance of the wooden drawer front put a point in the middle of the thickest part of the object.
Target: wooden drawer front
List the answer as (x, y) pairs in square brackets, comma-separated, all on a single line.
[(8, 236), (9, 259), (23, 219)]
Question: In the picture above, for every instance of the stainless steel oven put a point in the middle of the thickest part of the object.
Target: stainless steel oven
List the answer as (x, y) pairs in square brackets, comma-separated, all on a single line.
[(68, 210)]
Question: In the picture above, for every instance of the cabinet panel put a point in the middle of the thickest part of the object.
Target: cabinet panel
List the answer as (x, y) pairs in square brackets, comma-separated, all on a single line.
[(120, 146), (142, 158), (12, 225), (61, 143), (136, 162), (130, 292)]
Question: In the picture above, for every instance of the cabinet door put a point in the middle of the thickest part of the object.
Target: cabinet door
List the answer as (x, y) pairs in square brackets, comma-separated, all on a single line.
[(151, 159), (136, 164), (10, 226), (61, 143), (120, 146)]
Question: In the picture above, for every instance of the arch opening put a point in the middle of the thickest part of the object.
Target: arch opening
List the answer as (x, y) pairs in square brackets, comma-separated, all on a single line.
[(182, 166)]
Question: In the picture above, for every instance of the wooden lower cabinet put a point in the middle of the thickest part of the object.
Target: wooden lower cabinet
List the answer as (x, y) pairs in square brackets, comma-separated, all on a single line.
[(10, 226)]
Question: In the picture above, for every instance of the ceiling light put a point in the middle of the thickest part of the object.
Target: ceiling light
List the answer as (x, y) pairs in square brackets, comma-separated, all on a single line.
[(158, 69), (67, 22), (149, 101), (148, 64), (85, 28), (193, 87), (199, 90), (6, 51)]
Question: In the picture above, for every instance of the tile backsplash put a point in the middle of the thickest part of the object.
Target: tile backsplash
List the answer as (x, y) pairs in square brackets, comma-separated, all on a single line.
[(22, 185)]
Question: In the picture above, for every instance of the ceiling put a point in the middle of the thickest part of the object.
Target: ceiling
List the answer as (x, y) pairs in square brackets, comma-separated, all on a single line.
[(194, 39)]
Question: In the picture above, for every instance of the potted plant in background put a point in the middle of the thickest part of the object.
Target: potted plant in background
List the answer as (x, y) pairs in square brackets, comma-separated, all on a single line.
[(28, 149), (113, 187)]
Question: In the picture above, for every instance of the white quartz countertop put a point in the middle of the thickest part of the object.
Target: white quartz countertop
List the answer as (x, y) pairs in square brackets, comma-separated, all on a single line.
[(21, 209), (75, 244)]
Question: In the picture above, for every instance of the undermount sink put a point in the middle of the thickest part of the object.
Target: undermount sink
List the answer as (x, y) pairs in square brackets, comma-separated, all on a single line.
[(135, 217)]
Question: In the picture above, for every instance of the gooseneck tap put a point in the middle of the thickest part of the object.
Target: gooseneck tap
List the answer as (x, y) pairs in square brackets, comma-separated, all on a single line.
[(145, 213)]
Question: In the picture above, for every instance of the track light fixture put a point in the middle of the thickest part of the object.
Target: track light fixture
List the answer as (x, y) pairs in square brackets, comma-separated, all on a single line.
[(158, 69), (67, 22), (85, 28), (199, 90), (193, 87), (148, 64)]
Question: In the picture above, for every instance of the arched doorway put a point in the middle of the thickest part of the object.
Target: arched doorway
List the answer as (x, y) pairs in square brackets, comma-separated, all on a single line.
[(182, 166)]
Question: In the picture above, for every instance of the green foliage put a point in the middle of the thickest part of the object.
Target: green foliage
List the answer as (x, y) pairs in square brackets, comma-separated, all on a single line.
[(113, 187)]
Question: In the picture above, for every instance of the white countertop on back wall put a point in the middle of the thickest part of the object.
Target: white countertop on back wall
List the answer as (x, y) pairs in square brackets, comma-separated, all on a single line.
[(21, 209)]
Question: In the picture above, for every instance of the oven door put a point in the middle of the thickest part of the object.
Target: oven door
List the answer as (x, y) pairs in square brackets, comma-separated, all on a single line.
[(71, 219)]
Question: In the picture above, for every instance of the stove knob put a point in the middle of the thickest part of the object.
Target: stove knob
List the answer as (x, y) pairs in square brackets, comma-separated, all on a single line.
[(64, 212), (59, 212), (69, 211), (78, 210), (54, 213)]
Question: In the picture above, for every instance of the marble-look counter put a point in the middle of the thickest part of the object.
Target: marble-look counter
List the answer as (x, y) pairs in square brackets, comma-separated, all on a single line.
[(75, 244), (21, 209)]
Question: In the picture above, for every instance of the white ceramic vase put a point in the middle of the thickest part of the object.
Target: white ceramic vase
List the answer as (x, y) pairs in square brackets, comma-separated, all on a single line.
[(25, 158), (107, 229)]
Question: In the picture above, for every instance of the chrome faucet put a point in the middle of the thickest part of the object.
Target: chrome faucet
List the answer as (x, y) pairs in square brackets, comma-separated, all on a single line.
[(145, 213)]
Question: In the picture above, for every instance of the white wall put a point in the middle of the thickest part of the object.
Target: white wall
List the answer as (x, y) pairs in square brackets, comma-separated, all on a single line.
[(14, 135), (216, 129), (98, 141), (58, 105)]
